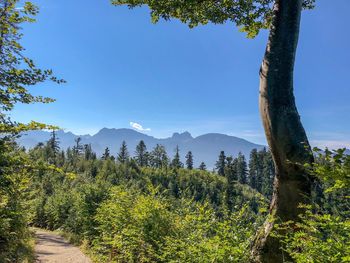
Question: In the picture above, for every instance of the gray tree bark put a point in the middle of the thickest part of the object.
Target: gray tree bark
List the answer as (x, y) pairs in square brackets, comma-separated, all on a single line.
[(284, 132)]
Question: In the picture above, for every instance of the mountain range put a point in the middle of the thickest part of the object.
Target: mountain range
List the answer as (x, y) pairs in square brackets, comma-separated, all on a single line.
[(205, 147)]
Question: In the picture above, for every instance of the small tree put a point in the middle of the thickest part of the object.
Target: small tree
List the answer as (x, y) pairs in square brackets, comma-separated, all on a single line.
[(123, 155), (52, 149), (202, 166), (159, 157), (221, 164), (254, 169), (241, 168), (78, 147), (268, 171), (176, 162), (189, 160), (231, 175), (88, 152), (106, 155), (141, 154)]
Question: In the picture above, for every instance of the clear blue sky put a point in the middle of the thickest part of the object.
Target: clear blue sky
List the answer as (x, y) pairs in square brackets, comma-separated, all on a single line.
[(121, 68)]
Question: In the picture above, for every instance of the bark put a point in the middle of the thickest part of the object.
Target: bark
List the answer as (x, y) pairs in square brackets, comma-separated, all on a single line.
[(284, 132)]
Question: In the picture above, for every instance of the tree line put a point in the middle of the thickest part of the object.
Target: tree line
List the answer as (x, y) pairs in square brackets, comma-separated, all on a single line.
[(258, 172)]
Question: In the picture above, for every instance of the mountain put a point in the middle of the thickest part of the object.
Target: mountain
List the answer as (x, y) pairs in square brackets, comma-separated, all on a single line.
[(205, 148)]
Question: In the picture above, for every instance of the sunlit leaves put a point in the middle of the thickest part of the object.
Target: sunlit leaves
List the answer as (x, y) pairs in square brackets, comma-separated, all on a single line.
[(333, 168), (317, 238), (18, 72), (249, 15)]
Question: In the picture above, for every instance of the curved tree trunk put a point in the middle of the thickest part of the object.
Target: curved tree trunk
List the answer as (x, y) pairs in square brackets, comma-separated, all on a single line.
[(284, 131)]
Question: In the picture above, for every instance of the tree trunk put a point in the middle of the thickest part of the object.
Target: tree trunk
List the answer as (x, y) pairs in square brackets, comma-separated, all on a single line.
[(284, 132)]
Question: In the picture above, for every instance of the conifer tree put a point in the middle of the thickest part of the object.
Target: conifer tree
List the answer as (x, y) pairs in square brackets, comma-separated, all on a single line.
[(189, 160), (106, 154), (176, 162), (159, 157), (241, 168), (231, 168), (202, 166), (253, 169), (123, 155), (141, 154), (260, 169), (88, 153), (221, 164), (78, 148), (268, 175), (54, 147), (231, 175)]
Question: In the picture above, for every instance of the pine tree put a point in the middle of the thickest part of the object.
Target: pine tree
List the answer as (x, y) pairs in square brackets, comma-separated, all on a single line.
[(231, 175), (159, 157), (176, 162), (88, 153), (253, 169), (53, 148), (202, 166), (78, 148), (123, 155), (241, 168), (141, 154), (189, 160), (231, 168), (70, 156), (260, 169), (268, 175), (106, 155), (221, 164)]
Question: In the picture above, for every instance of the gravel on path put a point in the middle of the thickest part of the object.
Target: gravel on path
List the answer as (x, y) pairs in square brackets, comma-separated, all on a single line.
[(52, 248)]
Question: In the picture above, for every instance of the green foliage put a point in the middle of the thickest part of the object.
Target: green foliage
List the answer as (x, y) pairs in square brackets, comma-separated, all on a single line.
[(189, 161), (132, 227), (333, 168), (250, 16), (201, 236), (317, 238), (261, 171), (17, 74), (14, 178), (128, 213), (323, 236), (123, 155), (141, 154), (159, 157), (202, 166), (221, 163), (136, 227), (176, 162)]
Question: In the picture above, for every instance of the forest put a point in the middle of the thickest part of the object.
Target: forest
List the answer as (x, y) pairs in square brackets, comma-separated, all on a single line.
[(145, 205)]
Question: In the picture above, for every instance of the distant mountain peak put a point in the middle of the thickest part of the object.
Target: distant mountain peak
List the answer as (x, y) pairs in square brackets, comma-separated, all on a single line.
[(182, 136)]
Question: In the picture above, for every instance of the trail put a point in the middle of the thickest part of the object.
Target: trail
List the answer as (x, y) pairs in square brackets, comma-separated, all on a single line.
[(51, 248)]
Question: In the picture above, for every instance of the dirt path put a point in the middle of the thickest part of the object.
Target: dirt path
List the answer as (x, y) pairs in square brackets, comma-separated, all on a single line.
[(51, 248)]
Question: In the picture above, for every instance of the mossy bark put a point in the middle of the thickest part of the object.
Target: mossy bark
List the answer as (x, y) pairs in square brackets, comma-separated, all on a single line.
[(284, 132)]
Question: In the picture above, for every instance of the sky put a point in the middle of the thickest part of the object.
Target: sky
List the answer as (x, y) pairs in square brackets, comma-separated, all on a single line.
[(122, 71)]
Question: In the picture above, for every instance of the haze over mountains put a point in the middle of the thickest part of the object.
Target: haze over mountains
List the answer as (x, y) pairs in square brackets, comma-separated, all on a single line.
[(205, 148)]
